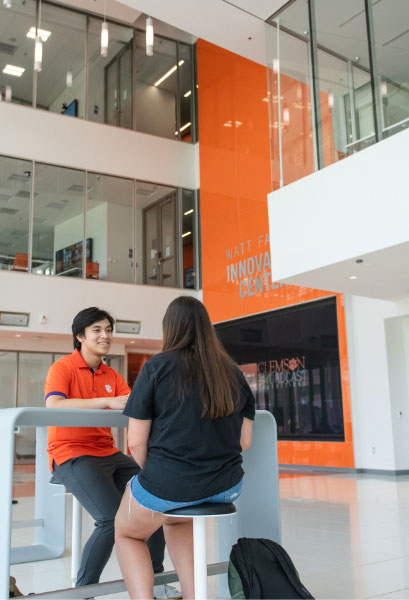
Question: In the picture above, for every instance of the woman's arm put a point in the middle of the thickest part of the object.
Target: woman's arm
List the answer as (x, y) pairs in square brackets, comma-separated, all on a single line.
[(246, 434), (138, 436)]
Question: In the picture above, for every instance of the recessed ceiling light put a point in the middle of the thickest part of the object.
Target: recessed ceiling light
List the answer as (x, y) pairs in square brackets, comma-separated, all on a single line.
[(43, 33), (352, 277), (187, 94), (13, 70), (188, 212), (17, 335), (185, 126), (131, 342), (36, 338), (186, 234)]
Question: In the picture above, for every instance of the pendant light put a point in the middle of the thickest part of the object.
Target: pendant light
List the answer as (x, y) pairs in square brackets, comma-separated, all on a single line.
[(8, 94), (104, 35), (149, 36), (38, 46), (7, 3), (68, 79)]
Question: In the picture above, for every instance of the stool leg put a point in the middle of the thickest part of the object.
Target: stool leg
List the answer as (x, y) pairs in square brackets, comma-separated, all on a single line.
[(200, 560), (76, 540)]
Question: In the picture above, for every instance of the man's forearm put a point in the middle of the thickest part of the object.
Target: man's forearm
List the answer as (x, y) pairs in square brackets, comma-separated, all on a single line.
[(60, 402)]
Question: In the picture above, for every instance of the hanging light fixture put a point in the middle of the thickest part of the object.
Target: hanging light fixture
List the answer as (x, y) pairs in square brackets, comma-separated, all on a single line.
[(8, 94), (7, 3), (104, 35), (68, 79), (38, 46), (104, 39), (149, 36)]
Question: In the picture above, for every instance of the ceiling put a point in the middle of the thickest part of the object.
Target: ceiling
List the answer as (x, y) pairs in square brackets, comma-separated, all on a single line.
[(382, 275)]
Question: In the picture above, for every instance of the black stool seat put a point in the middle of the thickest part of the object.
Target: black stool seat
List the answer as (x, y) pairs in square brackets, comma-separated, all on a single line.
[(207, 509)]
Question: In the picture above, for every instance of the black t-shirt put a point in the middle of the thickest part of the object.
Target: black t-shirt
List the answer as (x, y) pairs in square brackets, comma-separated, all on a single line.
[(189, 457)]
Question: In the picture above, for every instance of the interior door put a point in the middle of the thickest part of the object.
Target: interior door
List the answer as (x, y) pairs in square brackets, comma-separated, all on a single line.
[(125, 88), (160, 256), (118, 89)]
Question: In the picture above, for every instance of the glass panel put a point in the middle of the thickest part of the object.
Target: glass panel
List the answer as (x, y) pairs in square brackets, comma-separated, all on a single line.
[(148, 195), (291, 361), (186, 93), (8, 379), (111, 74), (61, 82), (151, 245), (58, 228), (17, 50), (168, 242), (189, 240), (390, 21), (15, 192), (125, 88), (344, 77), (294, 101), (32, 371), (156, 86), (102, 96), (110, 228)]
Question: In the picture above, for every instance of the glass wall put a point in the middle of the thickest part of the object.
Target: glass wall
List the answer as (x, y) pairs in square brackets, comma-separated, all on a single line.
[(58, 223), (15, 192), (390, 22), (17, 51), (8, 379), (110, 226), (61, 82), (110, 77), (353, 54), (291, 131), (132, 231), (152, 94)]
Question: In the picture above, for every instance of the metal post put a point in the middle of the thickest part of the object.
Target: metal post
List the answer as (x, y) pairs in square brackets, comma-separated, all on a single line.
[(76, 539), (315, 98), (200, 558), (280, 133), (84, 233), (373, 68), (351, 92), (31, 221)]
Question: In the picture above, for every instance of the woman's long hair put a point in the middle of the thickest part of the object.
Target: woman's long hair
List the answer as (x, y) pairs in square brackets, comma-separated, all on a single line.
[(187, 328)]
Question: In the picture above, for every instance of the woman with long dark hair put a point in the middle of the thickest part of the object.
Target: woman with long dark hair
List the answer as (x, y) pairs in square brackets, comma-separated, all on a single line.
[(190, 417)]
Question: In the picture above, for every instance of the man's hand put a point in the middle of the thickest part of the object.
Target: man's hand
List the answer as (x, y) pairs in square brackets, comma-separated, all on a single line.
[(117, 402)]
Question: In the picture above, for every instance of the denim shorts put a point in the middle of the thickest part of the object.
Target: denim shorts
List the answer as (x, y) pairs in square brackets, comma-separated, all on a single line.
[(151, 502)]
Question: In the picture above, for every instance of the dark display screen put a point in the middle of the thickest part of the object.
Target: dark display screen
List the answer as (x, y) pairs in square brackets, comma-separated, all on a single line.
[(291, 361)]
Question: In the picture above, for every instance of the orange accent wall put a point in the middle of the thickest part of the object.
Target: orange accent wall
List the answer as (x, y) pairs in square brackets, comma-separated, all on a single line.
[(235, 175)]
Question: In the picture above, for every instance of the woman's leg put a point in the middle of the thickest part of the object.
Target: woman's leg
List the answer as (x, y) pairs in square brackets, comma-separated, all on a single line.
[(134, 525), (179, 541)]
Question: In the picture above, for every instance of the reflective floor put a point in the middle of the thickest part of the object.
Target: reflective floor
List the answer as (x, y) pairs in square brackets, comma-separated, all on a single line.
[(347, 535)]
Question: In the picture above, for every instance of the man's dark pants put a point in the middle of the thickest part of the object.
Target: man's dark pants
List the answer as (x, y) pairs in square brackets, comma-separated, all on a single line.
[(99, 483)]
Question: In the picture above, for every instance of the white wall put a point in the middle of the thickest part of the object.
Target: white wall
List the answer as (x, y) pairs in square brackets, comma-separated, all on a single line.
[(51, 138), (71, 232), (354, 207), (378, 344), (60, 298)]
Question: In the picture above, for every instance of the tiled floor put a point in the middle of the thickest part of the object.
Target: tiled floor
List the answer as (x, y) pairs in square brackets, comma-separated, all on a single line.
[(347, 535)]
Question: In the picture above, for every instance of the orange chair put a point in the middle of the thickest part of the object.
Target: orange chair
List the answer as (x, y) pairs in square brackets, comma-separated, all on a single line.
[(92, 270), (20, 262)]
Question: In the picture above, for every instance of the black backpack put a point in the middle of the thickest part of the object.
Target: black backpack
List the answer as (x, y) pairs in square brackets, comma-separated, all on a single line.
[(261, 568)]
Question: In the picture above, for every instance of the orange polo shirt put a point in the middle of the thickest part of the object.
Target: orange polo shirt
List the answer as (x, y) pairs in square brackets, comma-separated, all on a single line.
[(71, 377)]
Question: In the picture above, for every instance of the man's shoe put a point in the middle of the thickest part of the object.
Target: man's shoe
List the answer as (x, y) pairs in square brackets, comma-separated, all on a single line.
[(166, 592)]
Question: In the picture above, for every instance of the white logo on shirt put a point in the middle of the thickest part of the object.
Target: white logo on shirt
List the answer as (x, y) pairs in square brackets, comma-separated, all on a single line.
[(108, 388)]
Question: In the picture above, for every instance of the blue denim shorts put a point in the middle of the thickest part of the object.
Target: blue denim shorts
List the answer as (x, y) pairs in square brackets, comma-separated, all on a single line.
[(151, 502)]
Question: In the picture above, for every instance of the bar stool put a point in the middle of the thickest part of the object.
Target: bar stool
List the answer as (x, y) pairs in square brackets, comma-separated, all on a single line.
[(76, 532), (199, 513)]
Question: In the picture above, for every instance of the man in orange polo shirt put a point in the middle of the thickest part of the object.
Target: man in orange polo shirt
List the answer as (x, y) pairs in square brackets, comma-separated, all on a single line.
[(85, 459)]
